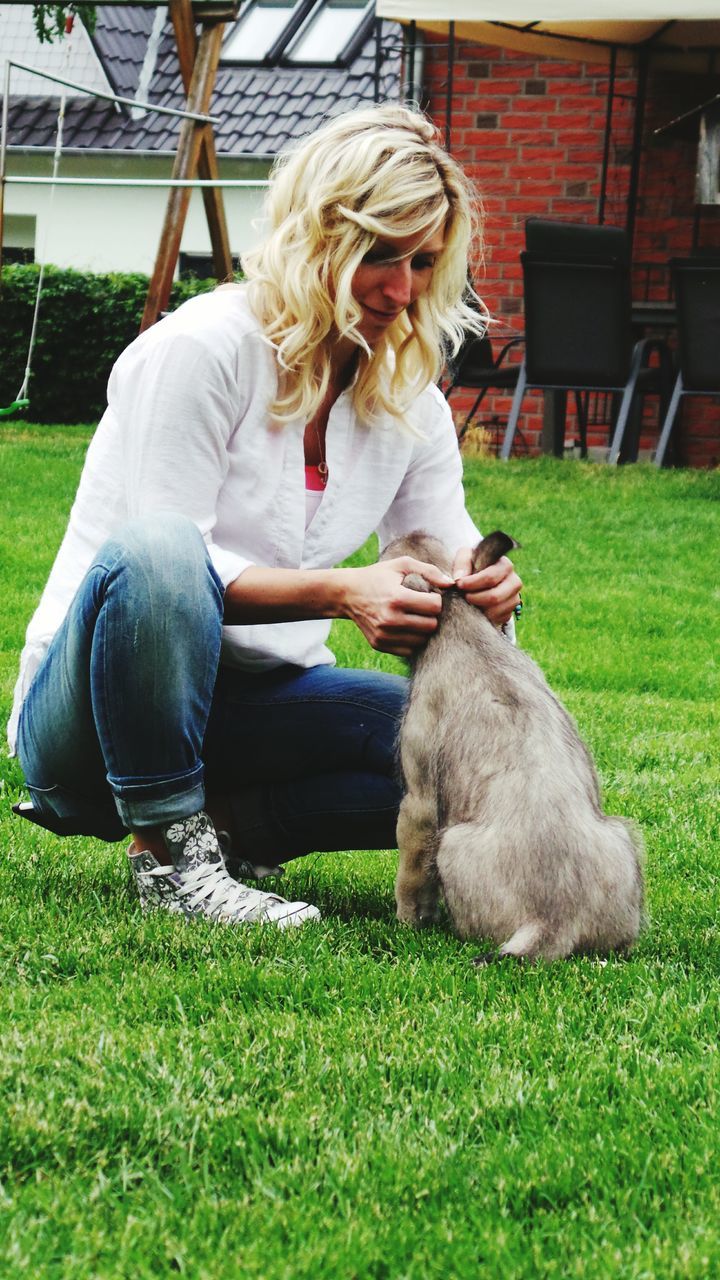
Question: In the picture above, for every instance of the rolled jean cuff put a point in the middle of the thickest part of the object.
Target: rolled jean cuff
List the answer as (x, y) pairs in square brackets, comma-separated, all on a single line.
[(155, 803)]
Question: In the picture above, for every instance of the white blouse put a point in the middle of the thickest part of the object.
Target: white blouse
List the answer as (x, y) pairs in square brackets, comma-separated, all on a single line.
[(186, 430)]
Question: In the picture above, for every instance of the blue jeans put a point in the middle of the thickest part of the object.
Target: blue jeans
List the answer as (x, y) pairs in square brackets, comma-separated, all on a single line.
[(130, 719)]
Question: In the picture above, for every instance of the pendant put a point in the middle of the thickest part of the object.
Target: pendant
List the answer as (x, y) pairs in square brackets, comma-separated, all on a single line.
[(323, 471)]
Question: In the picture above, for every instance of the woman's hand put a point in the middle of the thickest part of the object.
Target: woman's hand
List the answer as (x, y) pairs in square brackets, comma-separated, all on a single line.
[(495, 590), (393, 618)]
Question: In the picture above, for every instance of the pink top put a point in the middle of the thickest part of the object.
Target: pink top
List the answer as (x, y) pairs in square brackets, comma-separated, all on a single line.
[(314, 493), (313, 479)]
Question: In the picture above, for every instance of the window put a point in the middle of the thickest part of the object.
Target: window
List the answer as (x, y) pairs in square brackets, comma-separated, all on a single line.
[(20, 234), (258, 30), (306, 32), (11, 253), (199, 266), (328, 31)]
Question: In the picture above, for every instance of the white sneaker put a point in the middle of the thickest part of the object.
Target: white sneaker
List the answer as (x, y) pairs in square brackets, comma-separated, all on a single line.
[(198, 883)]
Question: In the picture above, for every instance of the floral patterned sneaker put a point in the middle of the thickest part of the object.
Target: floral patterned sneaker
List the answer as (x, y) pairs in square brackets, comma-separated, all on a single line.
[(197, 884)]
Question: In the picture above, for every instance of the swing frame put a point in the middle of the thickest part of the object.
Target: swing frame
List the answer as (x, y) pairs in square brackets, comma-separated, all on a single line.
[(195, 162), (198, 59)]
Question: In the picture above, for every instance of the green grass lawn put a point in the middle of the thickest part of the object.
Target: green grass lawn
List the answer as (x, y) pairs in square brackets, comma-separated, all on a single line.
[(356, 1100)]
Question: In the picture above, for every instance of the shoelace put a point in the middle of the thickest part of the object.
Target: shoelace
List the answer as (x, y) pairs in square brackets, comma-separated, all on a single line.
[(210, 884)]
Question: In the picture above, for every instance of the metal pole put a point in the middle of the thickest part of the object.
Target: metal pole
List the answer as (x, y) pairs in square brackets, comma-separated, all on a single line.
[(3, 149), (450, 73), (643, 60), (608, 134), (113, 97), (26, 180), (411, 47), (378, 58)]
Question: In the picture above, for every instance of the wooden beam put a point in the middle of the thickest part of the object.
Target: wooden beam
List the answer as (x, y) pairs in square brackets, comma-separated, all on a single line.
[(185, 166), (215, 10), (183, 21)]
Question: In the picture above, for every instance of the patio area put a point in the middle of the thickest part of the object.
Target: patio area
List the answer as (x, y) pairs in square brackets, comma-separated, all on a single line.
[(565, 129)]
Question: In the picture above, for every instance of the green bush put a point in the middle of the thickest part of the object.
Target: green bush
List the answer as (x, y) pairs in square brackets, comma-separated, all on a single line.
[(85, 321)]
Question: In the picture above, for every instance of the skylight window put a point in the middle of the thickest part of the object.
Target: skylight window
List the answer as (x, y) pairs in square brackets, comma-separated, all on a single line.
[(308, 32), (258, 30), (327, 32)]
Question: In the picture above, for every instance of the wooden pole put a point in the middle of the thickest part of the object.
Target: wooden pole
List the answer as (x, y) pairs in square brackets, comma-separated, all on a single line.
[(185, 166), (186, 39)]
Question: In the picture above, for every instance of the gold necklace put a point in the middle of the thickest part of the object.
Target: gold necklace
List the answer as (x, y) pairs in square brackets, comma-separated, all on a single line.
[(322, 467)]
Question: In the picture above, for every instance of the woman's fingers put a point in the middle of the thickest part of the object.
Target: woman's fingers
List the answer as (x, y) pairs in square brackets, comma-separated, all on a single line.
[(398, 618), (486, 579), (462, 564), (391, 616), (430, 572), (495, 590)]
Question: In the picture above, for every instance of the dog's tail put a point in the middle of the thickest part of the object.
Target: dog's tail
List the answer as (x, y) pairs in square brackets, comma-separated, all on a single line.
[(534, 940), (527, 943)]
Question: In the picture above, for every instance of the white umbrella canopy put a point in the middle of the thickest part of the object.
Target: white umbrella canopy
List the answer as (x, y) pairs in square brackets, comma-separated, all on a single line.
[(683, 35)]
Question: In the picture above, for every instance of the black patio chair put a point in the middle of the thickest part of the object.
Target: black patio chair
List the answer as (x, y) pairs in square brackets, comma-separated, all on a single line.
[(584, 240), (578, 334), (696, 283), (476, 367)]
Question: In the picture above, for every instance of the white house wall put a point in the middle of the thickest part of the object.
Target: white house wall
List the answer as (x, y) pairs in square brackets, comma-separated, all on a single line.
[(118, 228)]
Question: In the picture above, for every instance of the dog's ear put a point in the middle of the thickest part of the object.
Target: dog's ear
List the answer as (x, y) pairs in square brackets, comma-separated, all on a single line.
[(421, 546), (416, 582), (491, 548)]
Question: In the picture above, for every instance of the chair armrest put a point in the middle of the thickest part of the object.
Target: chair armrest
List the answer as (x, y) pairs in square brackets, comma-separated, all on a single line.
[(645, 347), (512, 342)]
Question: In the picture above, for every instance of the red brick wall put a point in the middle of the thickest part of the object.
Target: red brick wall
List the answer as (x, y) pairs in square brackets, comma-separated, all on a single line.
[(530, 133)]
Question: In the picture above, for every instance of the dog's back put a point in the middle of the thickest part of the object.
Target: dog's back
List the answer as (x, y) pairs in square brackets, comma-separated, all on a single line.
[(522, 850)]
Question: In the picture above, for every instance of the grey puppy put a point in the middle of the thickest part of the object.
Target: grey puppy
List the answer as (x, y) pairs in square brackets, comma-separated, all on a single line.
[(502, 806)]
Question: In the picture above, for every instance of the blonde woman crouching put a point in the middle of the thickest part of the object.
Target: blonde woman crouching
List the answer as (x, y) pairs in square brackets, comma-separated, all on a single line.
[(176, 680)]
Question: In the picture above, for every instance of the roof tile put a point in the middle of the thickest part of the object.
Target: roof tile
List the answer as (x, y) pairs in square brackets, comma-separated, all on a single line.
[(260, 109)]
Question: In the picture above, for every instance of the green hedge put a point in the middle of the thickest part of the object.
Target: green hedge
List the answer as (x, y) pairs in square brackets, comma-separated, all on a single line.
[(85, 322)]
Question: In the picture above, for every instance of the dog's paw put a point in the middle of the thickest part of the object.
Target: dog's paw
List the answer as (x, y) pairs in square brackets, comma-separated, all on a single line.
[(419, 915), (407, 914)]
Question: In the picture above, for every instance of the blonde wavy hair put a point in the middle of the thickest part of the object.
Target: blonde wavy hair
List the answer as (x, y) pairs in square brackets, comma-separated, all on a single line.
[(378, 172)]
